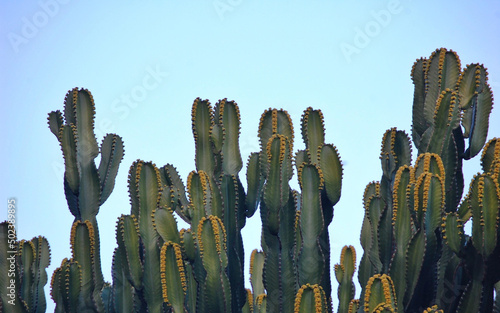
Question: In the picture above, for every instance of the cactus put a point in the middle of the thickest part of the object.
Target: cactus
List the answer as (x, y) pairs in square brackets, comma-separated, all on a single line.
[(416, 258), (344, 272), (295, 225), (86, 186), (424, 248), (23, 264)]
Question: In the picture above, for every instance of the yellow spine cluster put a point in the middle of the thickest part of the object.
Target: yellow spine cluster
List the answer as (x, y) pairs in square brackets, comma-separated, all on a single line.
[(480, 196), (216, 224), (319, 297), (259, 299), (442, 55), (388, 287), (342, 256), (90, 229), (180, 268), (250, 299), (320, 175), (432, 309), (353, 306), (397, 181), (494, 170)]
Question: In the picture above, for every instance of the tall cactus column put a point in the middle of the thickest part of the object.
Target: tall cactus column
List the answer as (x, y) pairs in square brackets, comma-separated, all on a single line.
[(295, 236), (86, 186)]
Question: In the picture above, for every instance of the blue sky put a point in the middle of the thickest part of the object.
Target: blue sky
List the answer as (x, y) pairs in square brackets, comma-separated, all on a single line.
[(145, 62)]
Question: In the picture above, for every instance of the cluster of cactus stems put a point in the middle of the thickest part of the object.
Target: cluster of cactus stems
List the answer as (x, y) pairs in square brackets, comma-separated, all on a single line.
[(23, 266), (417, 256), (413, 229)]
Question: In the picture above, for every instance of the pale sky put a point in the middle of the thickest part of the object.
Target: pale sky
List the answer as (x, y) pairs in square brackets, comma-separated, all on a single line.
[(145, 63)]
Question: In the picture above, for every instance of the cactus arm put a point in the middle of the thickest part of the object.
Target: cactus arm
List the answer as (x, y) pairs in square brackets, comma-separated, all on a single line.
[(414, 262), (366, 238), (66, 286), (403, 228), (476, 101), (331, 167), (229, 119), (170, 177), (202, 123), (189, 252), (107, 298), (27, 256), (380, 291), (127, 237), (111, 155), (40, 263), (166, 224), (200, 193), (472, 296), (273, 122), (313, 132), (311, 259), (479, 121), (149, 194), (83, 251), (233, 211), (485, 206), (446, 119), (255, 183), (442, 72), (123, 297), (80, 111), (365, 270), (276, 190), (55, 121), (173, 276), (310, 298), (419, 123), (257, 259), (344, 272), (453, 232), (211, 238), (68, 142), (376, 208), (490, 158), (133, 187), (395, 152)]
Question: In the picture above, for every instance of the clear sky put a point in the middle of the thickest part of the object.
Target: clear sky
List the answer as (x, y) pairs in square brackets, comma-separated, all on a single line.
[(145, 62)]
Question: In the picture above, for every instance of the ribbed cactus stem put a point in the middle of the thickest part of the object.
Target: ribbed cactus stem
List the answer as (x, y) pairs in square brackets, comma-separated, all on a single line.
[(310, 298)]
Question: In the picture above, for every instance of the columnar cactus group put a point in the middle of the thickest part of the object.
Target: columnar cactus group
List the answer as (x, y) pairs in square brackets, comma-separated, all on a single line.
[(417, 255), (23, 266), (414, 223), (86, 187)]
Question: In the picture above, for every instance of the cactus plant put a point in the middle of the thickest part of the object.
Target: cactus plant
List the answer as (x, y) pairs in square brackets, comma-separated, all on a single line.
[(425, 250), (23, 265), (416, 253), (86, 186)]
